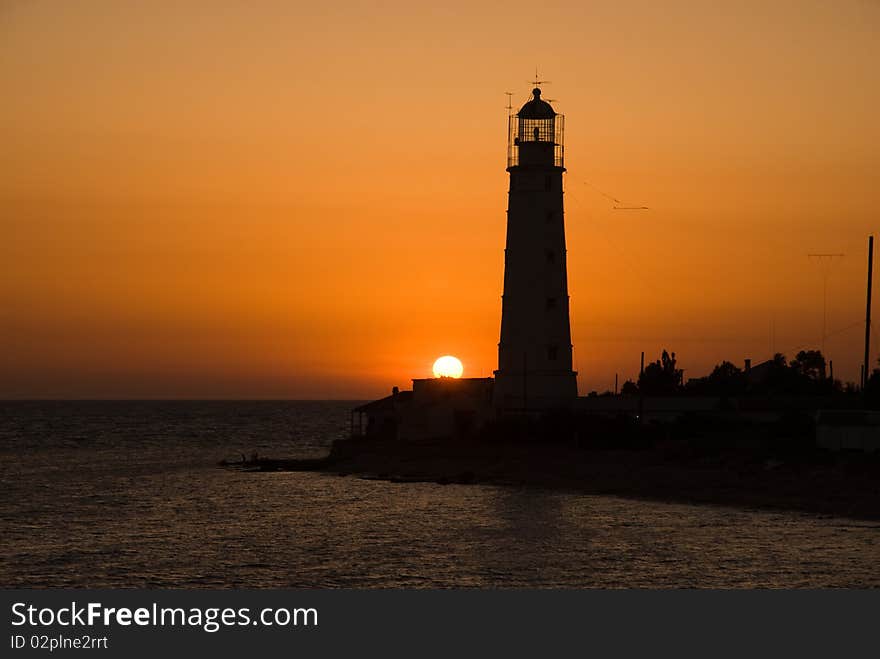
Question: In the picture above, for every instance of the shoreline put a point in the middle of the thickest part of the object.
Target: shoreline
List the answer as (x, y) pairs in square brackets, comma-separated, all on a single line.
[(813, 482)]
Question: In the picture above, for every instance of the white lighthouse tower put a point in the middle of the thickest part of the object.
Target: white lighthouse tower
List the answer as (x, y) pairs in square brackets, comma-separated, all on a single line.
[(534, 354)]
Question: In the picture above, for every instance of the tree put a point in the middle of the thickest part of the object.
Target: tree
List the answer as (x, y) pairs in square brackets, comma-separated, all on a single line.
[(809, 364), (726, 379), (629, 388), (661, 377)]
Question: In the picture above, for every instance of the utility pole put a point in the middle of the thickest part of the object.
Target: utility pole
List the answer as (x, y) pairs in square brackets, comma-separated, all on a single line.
[(641, 392), (867, 367)]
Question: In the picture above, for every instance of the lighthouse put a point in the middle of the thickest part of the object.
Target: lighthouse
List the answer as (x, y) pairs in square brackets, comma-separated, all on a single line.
[(535, 351)]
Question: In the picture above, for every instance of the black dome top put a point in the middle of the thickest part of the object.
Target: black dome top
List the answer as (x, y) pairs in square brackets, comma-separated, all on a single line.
[(536, 108)]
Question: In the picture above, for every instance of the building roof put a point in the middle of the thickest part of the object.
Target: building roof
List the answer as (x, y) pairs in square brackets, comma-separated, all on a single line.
[(536, 108), (385, 404), (759, 372), (453, 382)]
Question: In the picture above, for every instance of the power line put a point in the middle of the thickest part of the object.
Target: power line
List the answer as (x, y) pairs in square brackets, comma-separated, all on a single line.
[(841, 330)]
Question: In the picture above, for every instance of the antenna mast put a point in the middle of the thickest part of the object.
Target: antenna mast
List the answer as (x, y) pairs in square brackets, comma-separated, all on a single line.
[(537, 82), (826, 260)]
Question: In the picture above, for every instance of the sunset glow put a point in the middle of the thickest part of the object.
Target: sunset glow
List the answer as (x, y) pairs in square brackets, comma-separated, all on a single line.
[(261, 199)]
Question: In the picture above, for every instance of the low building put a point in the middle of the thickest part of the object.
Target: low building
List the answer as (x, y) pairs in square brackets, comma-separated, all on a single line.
[(434, 408)]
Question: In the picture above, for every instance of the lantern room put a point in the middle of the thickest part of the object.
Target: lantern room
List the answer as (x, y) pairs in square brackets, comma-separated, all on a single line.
[(535, 134)]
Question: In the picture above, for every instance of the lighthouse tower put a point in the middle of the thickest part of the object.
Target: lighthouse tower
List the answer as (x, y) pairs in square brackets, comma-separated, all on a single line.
[(534, 354)]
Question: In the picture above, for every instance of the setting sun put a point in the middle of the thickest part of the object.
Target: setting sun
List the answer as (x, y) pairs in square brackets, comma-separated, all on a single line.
[(448, 367)]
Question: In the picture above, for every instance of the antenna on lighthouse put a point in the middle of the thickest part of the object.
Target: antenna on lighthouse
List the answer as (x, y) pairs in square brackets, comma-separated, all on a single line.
[(509, 102), (537, 81)]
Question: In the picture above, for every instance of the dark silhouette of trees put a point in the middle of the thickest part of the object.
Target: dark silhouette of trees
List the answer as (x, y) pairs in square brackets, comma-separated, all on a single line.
[(779, 362), (726, 379), (802, 376), (629, 388), (809, 364), (805, 375), (660, 378)]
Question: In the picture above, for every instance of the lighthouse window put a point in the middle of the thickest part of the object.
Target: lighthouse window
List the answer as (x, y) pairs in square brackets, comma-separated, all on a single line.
[(552, 352), (551, 302)]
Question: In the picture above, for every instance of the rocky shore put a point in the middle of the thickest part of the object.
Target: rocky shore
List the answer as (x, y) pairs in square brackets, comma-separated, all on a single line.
[(814, 481)]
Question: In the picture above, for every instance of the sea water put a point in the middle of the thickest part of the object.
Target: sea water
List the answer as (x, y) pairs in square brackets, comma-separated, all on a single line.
[(130, 494)]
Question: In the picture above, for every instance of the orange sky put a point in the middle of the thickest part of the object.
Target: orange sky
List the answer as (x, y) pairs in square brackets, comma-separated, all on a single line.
[(223, 199)]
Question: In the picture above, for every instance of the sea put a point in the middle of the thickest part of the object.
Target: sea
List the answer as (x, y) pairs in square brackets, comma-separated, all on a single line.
[(122, 494)]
